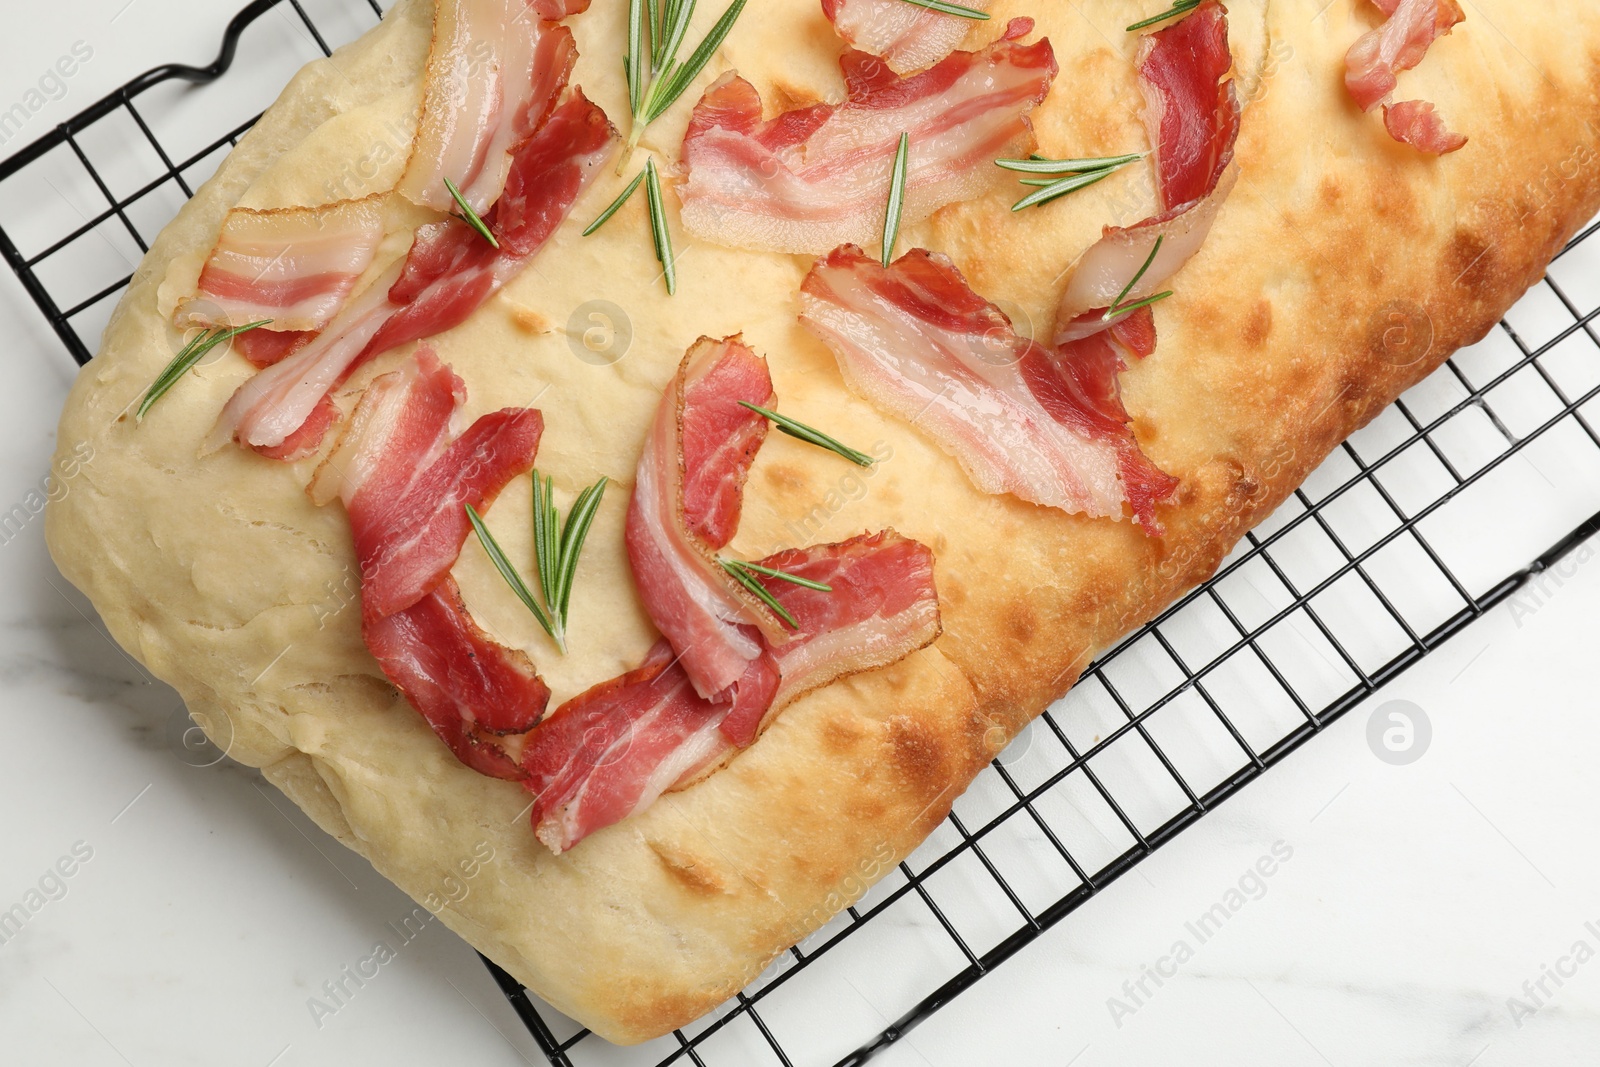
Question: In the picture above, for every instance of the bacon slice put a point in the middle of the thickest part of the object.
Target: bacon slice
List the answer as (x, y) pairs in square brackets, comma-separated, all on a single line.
[(1399, 44), (479, 696), (1085, 384), (294, 266), (1103, 273), (810, 179), (495, 71), (405, 479), (263, 347), (559, 9), (613, 751), (907, 37), (917, 342), (1192, 114), (881, 607), (1418, 124), (712, 622), (448, 274)]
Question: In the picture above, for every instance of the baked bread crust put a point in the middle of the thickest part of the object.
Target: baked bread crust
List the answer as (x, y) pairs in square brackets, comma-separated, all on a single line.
[(222, 578)]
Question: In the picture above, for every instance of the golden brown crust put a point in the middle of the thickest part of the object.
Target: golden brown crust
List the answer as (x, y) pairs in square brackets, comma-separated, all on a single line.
[(1282, 340)]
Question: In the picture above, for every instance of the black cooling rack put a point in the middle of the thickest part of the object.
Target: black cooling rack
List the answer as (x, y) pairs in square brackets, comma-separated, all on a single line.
[(1413, 528)]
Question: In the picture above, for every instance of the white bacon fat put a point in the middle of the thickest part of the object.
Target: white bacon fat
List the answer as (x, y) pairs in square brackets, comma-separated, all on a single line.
[(494, 72), (906, 36), (293, 266)]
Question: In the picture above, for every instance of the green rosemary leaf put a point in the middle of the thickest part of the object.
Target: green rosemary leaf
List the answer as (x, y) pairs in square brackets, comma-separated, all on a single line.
[(616, 205), (952, 9), (1117, 307), (1037, 165), (811, 436), (658, 226), (546, 540), (1123, 309), (786, 576), (469, 216), (507, 571), (652, 16), (573, 535), (741, 574), (192, 353), (1178, 7), (673, 86), (673, 32), (897, 197), (1052, 190), (633, 61)]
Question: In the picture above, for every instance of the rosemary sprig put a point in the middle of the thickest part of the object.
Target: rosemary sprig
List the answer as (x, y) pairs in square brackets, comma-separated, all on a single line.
[(953, 9), (811, 436), (555, 553), (897, 199), (1118, 307), (497, 556), (658, 226), (741, 574), (807, 583), (1040, 165), (1079, 174), (650, 94), (192, 353), (616, 205), (469, 216), (556, 547), (1058, 188), (1178, 7)]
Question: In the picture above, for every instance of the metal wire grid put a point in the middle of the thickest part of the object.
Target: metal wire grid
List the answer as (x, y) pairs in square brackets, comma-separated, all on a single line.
[(1336, 594)]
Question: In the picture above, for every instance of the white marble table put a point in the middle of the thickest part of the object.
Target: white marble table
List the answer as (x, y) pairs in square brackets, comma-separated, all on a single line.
[(202, 911)]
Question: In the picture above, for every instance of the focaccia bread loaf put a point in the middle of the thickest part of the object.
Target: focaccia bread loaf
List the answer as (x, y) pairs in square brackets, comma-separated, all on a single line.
[(221, 576)]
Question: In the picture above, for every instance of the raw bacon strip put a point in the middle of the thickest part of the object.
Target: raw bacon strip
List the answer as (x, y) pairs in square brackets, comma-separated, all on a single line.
[(263, 347), (448, 274), (405, 479), (304, 441), (1085, 379), (294, 266), (917, 342), (881, 607), (459, 679), (1103, 272), (1417, 123), (807, 180), (494, 73), (612, 751), (559, 9), (908, 37), (1399, 44), (712, 622), (1192, 115)]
